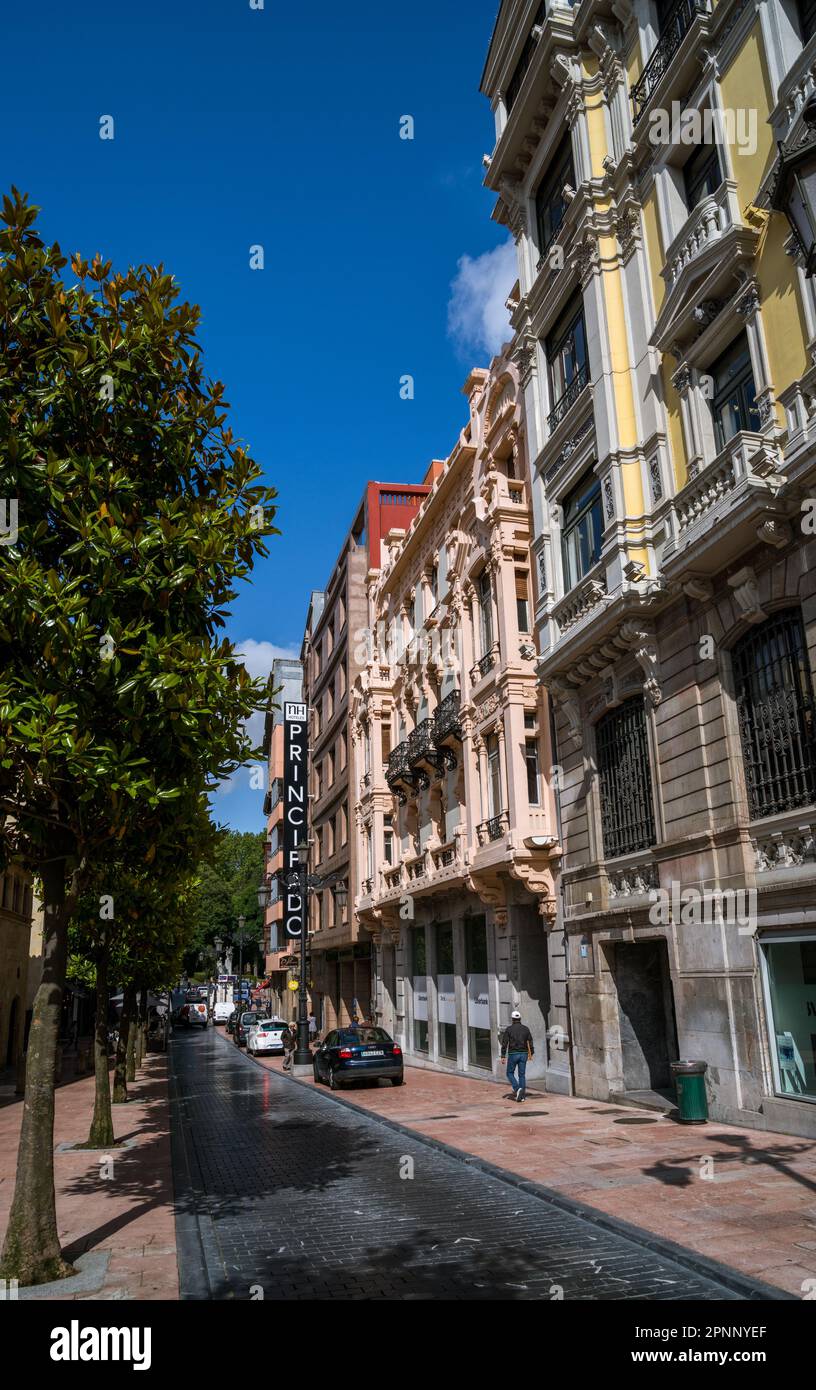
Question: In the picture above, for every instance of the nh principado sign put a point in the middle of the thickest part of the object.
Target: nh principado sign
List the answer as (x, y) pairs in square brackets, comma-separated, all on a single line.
[(295, 805)]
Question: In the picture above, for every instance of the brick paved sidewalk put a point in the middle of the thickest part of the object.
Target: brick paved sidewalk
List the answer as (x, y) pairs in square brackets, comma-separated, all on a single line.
[(129, 1215), (756, 1213)]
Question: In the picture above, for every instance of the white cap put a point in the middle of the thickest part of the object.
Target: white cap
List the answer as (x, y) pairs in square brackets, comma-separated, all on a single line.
[(515, 1014)]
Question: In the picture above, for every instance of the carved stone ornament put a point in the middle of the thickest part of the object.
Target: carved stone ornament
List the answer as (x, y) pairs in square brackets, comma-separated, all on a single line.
[(566, 698), (746, 594), (641, 640)]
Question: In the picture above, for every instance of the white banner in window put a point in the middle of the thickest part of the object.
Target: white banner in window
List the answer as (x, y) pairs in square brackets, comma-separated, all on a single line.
[(445, 999), (421, 998), (478, 1002)]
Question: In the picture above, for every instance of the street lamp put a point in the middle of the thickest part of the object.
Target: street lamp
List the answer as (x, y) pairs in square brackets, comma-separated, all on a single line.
[(794, 187)]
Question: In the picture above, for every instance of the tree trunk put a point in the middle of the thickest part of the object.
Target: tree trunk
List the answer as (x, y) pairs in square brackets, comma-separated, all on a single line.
[(131, 1042), (31, 1251), (101, 1134), (121, 1074)]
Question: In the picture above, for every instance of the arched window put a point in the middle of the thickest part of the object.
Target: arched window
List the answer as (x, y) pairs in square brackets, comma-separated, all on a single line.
[(627, 811), (774, 696)]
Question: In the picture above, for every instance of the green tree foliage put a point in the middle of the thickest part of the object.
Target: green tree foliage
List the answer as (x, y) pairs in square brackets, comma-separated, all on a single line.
[(137, 513), (226, 889)]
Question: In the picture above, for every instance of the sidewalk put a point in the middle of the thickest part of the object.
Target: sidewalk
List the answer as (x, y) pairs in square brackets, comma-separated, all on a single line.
[(741, 1196), (129, 1214)]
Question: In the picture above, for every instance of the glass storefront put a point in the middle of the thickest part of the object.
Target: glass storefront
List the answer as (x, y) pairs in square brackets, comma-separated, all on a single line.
[(419, 974), (478, 1006), (445, 991), (790, 972)]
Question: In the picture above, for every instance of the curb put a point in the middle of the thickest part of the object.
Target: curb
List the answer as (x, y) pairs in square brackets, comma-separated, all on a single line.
[(193, 1266), (92, 1270)]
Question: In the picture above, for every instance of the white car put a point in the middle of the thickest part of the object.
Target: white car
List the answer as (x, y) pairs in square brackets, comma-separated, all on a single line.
[(221, 1012), (266, 1036)]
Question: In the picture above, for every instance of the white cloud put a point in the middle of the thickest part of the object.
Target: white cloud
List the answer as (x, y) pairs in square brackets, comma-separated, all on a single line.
[(477, 318), (258, 656)]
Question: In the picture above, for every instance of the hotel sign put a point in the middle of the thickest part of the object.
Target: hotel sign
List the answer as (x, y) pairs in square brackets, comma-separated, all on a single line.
[(295, 806)]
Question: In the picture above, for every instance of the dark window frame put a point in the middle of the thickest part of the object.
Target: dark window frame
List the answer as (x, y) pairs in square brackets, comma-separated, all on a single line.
[(625, 780), (738, 384), (551, 206), (581, 505), (702, 175)]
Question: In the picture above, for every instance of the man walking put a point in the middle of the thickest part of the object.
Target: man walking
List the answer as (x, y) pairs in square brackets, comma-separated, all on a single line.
[(289, 1040), (517, 1047)]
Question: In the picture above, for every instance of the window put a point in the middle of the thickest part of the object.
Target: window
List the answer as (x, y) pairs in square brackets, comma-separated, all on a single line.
[(485, 599), (582, 530), (789, 971), (734, 402), (774, 697), (445, 991), (419, 988), (567, 358), (318, 781), (625, 780), (702, 175), (388, 839), (478, 999), (494, 795), (531, 758), (551, 205), (343, 826), (385, 735), (522, 602), (318, 843), (524, 60), (807, 18), (529, 719), (331, 768), (433, 582)]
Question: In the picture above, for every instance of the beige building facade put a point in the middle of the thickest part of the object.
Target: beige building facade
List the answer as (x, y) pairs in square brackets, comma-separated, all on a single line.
[(455, 836)]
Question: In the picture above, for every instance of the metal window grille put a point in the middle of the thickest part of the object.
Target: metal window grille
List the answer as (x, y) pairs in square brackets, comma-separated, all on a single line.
[(627, 812), (776, 716)]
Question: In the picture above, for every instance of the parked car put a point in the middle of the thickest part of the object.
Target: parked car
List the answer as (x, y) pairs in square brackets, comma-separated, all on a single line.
[(222, 1012), (243, 1023), (266, 1035), (368, 1053)]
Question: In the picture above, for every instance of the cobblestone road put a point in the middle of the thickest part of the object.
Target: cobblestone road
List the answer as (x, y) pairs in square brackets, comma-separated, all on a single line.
[(280, 1188)]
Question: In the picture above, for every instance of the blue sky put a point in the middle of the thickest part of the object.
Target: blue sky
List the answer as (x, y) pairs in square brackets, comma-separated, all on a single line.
[(279, 127)]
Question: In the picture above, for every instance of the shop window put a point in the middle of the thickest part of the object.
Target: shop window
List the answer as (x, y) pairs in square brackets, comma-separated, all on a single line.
[(774, 697), (625, 780), (582, 530), (419, 980), (791, 977), (733, 404), (551, 204), (480, 1052), (445, 991)]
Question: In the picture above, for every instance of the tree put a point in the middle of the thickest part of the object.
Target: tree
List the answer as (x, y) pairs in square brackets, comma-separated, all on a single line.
[(228, 889), (137, 514)]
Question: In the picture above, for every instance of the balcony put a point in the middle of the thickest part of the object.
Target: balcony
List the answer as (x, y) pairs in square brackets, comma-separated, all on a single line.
[(399, 774), (566, 401), (587, 595), (448, 722), (422, 750), (493, 828), (726, 507), (708, 223), (676, 27), (484, 664)]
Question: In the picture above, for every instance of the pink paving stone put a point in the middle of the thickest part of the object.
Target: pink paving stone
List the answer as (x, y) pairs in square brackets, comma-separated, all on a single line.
[(140, 1194)]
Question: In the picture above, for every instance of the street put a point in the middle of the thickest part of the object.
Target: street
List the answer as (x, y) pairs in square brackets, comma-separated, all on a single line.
[(283, 1193)]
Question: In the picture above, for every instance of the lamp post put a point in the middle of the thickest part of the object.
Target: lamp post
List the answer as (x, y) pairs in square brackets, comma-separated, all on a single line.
[(794, 187), (300, 881), (241, 925)]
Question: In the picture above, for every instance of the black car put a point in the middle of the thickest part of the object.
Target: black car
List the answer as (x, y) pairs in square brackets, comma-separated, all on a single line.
[(364, 1054)]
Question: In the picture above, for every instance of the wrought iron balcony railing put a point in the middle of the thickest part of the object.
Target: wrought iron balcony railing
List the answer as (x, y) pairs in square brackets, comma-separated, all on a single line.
[(399, 771), (566, 401), (675, 28), (493, 828), (485, 664), (447, 720)]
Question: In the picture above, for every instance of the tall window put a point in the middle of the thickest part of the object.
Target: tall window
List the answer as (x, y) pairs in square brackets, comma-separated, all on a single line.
[(485, 597), (551, 205), (807, 18), (525, 58), (567, 358), (522, 602), (702, 175), (774, 698), (445, 990), (531, 759), (582, 530), (433, 582), (388, 839), (625, 780), (494, 795), (734, 402)]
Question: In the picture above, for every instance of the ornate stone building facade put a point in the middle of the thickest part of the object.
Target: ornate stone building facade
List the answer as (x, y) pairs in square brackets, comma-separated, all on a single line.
[(455, 824), (666, 336)]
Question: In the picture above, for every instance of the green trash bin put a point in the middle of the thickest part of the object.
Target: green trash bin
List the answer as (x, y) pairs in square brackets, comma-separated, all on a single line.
[(689, 1083)]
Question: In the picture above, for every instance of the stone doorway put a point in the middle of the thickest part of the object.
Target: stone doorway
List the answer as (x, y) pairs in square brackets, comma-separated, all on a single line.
[(646, 1010)]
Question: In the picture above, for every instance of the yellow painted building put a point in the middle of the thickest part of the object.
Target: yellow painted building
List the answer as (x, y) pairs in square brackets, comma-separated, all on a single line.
[(665, 334)]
